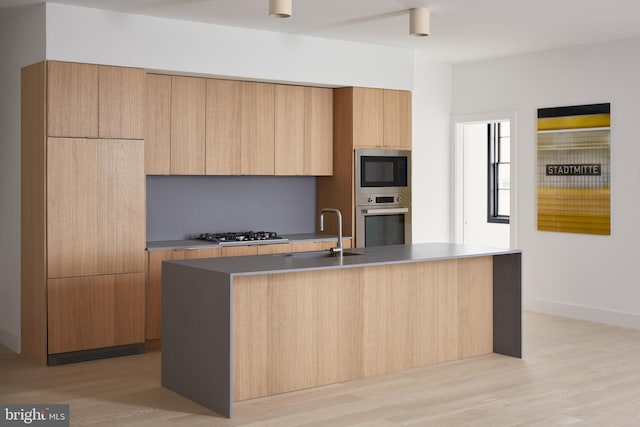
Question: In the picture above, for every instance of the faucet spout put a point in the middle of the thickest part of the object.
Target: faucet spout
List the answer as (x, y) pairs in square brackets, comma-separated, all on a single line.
[(337, 251)]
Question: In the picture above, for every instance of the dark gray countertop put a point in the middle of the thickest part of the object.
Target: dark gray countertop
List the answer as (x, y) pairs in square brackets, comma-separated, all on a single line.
[(278, 263), (168, 245)]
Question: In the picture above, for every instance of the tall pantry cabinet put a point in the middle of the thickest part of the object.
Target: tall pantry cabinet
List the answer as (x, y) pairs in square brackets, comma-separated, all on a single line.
[(83, 211)]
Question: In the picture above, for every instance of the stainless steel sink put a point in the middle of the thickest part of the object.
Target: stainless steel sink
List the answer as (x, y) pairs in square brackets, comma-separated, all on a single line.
[(313, 254)]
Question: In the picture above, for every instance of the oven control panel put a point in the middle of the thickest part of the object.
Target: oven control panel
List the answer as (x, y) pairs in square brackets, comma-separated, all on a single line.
[(382, 199)]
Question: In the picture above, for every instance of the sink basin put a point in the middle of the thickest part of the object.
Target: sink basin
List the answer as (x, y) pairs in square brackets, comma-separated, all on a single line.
[(313, 254)]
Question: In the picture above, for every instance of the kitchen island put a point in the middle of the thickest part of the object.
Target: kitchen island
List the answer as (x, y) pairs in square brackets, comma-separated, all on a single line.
[(243, 327)]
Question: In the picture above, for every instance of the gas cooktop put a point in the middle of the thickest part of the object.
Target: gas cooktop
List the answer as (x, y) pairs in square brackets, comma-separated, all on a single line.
[(243, 238)]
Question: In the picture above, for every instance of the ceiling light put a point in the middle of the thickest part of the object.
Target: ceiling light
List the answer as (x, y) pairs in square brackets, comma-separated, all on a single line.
[(419, 22), (280, 8)]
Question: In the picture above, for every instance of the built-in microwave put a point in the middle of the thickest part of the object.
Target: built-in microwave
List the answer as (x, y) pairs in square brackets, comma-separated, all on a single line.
[(383, 169), (382, 173)]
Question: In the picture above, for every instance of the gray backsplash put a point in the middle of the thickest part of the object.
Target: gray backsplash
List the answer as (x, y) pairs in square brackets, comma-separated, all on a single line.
[(181, 206)]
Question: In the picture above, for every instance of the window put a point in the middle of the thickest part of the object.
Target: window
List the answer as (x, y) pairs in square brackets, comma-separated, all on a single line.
[(499, 172)]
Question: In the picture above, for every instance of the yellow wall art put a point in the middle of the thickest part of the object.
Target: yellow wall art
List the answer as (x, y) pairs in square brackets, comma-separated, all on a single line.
[(574, 169)]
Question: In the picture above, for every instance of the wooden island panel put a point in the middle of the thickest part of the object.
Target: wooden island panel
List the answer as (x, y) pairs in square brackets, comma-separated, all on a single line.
[(249, 337), (302, 329)]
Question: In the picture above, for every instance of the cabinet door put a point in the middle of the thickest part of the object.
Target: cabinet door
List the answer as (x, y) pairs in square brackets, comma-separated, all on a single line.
[(279, 248), (72, 99), (307, 246), (397, 119), (95, 207), (289, 130), (120, 102), (239, 250), (157, 112), (224, 130), (188, 96), (318, 131), (368, 117), (257, 129), (72, 207), (121, 206), (95, 311)]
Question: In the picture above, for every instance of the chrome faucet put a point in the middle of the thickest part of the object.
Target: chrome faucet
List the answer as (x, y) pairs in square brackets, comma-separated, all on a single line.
[(334, 251)]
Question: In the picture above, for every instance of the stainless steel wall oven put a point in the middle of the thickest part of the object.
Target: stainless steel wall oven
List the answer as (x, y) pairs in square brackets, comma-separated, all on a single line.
[(383, 197)]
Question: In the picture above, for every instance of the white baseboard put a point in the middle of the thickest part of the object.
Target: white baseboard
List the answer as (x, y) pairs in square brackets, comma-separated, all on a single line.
[(9, 340), (579, 312)]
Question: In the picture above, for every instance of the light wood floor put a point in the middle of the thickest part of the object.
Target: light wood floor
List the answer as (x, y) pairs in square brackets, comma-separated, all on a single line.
[(573, 373)]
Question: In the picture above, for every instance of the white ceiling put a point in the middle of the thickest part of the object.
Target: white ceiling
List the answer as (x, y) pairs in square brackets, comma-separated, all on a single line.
[(461, 30)]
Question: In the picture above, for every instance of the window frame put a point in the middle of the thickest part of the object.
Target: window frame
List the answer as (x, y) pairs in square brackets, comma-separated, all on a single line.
[(493, 163)]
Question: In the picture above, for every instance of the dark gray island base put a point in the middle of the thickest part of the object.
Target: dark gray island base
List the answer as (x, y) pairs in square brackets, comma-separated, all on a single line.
[(243, 327)]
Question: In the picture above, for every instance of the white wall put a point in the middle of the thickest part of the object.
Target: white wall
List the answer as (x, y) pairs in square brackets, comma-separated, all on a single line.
[(103, 37), (431, 151), (22, 42), (577, 275), (94, 36), (476, 229)]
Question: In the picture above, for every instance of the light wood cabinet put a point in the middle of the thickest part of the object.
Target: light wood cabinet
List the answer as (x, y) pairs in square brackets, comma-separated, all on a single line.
[(83, 210), (157, 137), (95, 207), (121, 206), (188, 98), (248, 128), (72, 99), (397, 119), (318, 131), (95, 311), (120, 102), (303, 131), (239, 250), (368, 117), (289, 130), (381, 118), (72, 207), (280, 248), (257, 128), (223, 127), (94, 101)]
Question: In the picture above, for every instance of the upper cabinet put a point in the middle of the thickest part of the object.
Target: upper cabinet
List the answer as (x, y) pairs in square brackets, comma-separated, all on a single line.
[(289, 130), (120, 102), (368, 117), (188, 99), (397, 119), (223, 127), (303, 131), (94, 101), (257, 147), (318, 131), (72, 99), (381, 118), (157, 121), (198, 126)]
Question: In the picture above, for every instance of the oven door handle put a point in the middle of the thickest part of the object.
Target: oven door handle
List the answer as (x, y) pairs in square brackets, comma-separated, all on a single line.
[(388, 211)]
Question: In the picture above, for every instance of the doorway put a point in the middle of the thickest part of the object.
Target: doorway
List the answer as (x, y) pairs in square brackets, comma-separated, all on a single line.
[(484, 202)]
